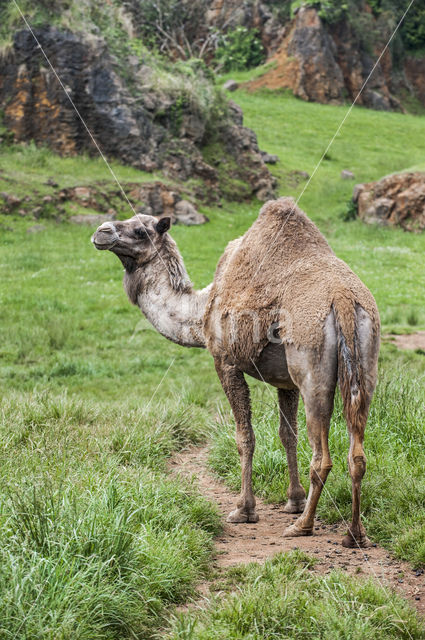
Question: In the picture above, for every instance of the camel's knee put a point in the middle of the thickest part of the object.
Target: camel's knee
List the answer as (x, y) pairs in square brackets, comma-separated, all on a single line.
[(245, 441), (319, 470), (357, 466)]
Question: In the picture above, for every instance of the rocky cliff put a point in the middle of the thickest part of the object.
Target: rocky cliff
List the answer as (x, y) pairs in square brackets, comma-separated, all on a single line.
[(128, 114), (327, 63)]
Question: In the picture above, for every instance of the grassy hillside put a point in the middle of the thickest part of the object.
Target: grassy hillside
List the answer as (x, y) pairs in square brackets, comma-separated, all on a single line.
[(94, 401)]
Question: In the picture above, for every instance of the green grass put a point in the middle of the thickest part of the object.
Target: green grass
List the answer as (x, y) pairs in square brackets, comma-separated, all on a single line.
[(94, 400), (283, 599), (95, 539)]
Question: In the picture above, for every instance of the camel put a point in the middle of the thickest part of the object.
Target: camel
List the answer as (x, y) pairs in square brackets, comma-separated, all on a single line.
[(282, 308)]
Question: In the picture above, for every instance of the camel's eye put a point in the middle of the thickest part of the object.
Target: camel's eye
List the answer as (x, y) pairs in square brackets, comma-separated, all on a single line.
[(141, 233)]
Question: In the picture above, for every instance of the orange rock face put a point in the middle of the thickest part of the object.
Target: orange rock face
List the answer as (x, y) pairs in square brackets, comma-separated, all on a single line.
[(324, 63)]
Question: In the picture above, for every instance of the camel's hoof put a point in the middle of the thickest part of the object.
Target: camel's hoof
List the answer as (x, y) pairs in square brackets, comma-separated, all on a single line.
[(354, 543), (293, 531), (294, 506), (240, 516)]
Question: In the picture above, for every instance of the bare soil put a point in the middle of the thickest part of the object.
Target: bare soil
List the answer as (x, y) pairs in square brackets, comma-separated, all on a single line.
[(242, 543), (408, 340)]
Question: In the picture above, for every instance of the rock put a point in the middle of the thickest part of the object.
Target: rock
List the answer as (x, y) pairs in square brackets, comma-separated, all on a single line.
[(158, 131), (230, 85), (303, 174), (93, 219), (323, 62), (269, 158), (398, 200), (347, 175), (357, 191), (82, 193), (11, 201), (51, 183), (236, 112), (36, 228), (185, 213), (253, 15)]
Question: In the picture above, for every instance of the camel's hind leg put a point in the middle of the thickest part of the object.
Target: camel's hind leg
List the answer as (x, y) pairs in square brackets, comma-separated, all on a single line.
[(237, 392), (356, 536), (356, 416), (288, 405), (318, 414)]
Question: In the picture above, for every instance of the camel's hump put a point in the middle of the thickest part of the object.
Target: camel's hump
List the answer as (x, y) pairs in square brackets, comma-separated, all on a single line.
[(280, 207)]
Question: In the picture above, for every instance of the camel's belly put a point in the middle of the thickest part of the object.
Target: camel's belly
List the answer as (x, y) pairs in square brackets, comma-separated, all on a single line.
[(272, 367)]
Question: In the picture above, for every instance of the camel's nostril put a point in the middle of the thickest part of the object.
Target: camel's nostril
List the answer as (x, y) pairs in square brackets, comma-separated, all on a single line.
[(106, 227)]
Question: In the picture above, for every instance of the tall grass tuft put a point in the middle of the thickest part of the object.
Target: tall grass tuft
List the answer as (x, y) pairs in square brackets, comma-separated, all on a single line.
[(283, 599)]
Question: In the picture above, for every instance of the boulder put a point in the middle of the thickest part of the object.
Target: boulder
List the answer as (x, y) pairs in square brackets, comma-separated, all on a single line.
[(398, 200), (185, 213)]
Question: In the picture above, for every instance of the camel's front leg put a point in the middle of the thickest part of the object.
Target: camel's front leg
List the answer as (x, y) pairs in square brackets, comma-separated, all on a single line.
[(237, 392)]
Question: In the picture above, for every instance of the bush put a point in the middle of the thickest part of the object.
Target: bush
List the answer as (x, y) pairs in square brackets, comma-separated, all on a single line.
[(239, 49)]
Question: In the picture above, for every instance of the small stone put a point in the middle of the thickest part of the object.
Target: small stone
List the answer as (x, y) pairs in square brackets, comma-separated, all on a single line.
[(269, 158), (82, 193), (36, 228), (302, 174), (347, 175), (230, 85), (417, 597)]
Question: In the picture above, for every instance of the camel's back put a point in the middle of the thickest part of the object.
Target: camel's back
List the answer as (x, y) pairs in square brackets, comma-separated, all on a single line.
[(282, 272)]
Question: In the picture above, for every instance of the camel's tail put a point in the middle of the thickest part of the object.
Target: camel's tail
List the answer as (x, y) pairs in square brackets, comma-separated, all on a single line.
[(351, 376)]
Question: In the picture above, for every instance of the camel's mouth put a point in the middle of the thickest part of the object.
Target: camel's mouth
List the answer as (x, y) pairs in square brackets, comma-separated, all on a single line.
[(105, 237), (102, 246)]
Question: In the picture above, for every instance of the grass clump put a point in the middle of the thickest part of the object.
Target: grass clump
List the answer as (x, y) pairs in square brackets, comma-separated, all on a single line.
[(283, 599), (95, 540), (394, 486)]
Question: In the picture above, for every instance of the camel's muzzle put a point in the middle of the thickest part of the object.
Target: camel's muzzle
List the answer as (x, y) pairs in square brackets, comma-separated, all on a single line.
[(106, 236)]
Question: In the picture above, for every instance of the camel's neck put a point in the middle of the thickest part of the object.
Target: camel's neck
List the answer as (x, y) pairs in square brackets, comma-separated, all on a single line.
[(164, 293)]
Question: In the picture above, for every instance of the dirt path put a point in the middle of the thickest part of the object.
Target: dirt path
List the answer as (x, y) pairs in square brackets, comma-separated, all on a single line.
[(241, 543)]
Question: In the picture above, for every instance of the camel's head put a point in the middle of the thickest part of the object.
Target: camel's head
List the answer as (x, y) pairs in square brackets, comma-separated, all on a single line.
[(135, 241)]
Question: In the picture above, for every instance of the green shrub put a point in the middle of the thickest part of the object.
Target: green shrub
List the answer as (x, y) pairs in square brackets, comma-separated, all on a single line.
[(239, 49)]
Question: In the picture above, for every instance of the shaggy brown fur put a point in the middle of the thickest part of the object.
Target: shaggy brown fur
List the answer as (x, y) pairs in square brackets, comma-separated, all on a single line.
[(284, 269)]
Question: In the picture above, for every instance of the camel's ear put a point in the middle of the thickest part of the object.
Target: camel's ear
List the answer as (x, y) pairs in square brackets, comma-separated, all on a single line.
[(163, 225)]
